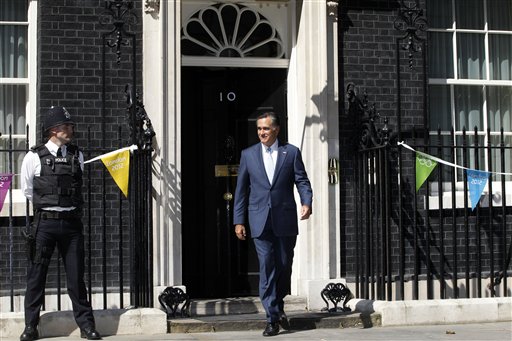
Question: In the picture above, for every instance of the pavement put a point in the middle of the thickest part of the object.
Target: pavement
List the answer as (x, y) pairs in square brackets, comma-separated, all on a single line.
[(244, 319), (473, 331)]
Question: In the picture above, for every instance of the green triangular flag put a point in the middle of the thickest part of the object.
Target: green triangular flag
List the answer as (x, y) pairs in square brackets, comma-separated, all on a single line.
[(424, 166)]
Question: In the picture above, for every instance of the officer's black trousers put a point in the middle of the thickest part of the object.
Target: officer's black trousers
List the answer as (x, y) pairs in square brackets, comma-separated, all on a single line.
[(67, 235)]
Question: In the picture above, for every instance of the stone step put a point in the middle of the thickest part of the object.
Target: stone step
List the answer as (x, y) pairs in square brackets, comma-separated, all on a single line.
[(297, 321), (240, 305), (247, 313)]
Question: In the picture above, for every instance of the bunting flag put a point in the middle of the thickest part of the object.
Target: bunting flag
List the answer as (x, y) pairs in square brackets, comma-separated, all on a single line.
[(424, 166), (477, 179), (438, 160), (5, 184), (476, 184), (118, 165), (131, 148)]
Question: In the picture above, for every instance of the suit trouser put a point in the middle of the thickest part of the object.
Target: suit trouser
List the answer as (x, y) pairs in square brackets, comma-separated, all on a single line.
[(67, 235), (275, 255)]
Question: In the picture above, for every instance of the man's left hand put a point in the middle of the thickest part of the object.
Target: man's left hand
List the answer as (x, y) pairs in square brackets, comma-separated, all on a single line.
[(305, 212)]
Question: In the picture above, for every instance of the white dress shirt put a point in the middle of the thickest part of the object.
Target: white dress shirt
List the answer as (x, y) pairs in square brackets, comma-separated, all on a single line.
[(31, 167), (270, 163)]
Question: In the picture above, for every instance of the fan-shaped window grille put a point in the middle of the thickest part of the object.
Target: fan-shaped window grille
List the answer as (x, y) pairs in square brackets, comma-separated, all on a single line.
[(230, 30)]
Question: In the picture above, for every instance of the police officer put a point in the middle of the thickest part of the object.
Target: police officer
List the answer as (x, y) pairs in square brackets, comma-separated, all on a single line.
[(51, 177)]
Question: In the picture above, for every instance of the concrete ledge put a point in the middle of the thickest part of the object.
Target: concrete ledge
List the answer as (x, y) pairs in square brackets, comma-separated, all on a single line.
[(147, 321), (449, 311), (365, 313)]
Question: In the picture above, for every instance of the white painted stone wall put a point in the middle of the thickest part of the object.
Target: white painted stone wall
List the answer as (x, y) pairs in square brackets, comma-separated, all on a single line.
[(313, 127), (161, 69)]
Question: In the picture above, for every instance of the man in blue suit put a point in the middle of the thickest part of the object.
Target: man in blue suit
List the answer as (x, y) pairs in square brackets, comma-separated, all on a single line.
[(264, 197)]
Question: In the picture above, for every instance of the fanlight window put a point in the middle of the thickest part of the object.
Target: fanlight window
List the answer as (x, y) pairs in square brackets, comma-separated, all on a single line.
[(230, 30)]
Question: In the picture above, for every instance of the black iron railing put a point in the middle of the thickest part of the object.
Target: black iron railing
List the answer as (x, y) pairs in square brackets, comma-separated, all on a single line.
[(117, 17), (118, 230), (106, 220), (429, 241)]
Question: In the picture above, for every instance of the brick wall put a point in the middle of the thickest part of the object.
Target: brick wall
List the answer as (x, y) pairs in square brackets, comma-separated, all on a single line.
[(368, 58)]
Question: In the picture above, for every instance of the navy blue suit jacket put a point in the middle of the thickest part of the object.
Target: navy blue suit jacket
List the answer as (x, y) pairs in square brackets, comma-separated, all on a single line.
[(255, 196)]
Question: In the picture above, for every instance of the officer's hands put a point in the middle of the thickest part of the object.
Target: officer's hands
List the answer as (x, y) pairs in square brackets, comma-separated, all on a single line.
[(305, 212), (240, 231)]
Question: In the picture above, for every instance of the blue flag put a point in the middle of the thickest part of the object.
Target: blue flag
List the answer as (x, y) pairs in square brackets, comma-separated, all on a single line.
[(476, 184)]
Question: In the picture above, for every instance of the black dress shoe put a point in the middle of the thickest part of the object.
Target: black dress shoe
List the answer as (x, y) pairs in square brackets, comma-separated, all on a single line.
[(30, 333), (283, 321), (271, 329), (90, 334)]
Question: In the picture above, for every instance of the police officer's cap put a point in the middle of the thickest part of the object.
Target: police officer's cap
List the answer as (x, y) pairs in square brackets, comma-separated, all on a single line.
[(56, 116)]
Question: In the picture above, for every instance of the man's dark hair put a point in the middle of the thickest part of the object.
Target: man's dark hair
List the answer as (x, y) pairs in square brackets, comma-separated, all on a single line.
[(273, 117)]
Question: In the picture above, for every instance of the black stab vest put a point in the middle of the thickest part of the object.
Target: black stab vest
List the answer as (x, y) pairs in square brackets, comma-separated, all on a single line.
[(60, 181)]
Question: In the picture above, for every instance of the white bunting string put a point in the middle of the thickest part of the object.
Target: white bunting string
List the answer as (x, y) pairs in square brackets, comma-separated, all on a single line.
[(405, 145), (131, 148)]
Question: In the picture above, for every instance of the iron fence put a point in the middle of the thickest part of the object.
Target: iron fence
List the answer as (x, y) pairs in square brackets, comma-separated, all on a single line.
[(118, 232), (112, 269), (430, 241)]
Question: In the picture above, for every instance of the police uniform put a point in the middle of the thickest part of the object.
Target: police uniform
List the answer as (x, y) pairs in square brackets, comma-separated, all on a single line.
[(51, 177)]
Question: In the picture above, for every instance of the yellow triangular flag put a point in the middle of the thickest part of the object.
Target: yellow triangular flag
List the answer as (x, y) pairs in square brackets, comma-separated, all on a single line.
[(118, 165)]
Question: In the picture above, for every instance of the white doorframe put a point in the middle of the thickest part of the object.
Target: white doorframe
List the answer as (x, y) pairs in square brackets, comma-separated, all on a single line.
[(312, 126)]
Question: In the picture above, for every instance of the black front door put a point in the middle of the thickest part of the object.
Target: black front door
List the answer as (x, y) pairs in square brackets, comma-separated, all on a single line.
[(219, 110)]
